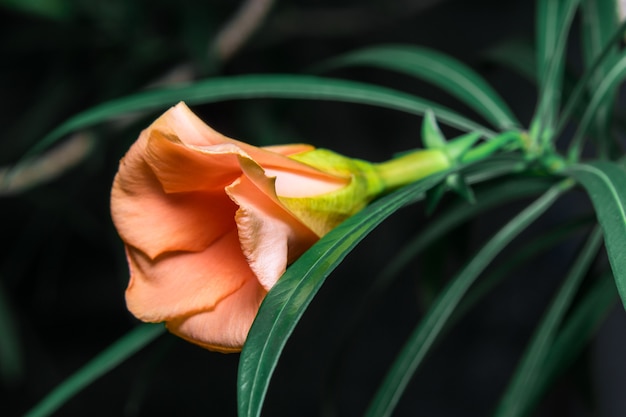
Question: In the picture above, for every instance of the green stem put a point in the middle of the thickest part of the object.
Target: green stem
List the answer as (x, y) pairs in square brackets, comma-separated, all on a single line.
[(411, 167), (419, 164)]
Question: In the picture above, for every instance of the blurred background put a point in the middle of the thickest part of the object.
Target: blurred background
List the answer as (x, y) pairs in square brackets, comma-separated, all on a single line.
[(62, 267)]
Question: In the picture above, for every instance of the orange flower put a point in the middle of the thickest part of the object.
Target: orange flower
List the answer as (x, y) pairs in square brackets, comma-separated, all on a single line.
[(211, 223)]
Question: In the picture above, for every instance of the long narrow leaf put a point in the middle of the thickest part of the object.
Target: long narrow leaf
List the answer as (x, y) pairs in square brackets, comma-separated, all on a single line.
[(600, 22), (420, 341), (447, 73), (599, 25), (605, 182), (589, 313), (554, 19), (590, 79), (446, 221), (516, 188), (547, 240), (98, 366), (286, 302), (261, 86), (515, 399), (608, 85)]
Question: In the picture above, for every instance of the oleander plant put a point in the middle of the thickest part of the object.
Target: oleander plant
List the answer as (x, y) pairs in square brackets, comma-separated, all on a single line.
[(215, 210)]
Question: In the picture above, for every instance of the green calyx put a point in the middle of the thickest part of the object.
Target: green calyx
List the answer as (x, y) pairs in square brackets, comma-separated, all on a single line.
[(321, 213)]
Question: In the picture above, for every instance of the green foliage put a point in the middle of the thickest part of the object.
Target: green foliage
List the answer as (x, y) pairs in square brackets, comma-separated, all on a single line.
[(260, 86), (515, 398), (424, 336), (606, 184), (286, 302), (573, 140), (106, 360), (439, 69), (601, 94), (574, 335), (553, 23)]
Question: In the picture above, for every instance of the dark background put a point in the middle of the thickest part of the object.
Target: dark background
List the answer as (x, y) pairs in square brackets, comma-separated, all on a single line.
[(62, 268)]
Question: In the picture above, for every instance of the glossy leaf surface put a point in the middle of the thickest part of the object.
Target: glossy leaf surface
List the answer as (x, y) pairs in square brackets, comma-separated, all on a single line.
[(447, 73), (287, 301), (426, 333), (605, 183)]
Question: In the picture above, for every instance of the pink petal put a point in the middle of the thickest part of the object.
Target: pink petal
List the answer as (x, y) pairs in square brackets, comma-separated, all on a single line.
[(183, 283), (155, 222), (289, 149), (225, 327), (179, 121), (271, 237), (180, 168)]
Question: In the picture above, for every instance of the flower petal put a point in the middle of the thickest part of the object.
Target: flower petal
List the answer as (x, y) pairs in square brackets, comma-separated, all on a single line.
[(183, 283), (155, 222), (296, 185), (289, 149), (179, 121), (271, 236), (225, 327), (180, 168)]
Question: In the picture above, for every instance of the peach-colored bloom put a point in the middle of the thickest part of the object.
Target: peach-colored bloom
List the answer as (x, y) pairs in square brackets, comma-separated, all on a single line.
[(211, 223)]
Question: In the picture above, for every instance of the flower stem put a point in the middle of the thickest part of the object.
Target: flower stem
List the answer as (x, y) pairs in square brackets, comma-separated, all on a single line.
[(419, 164), (411, 167)]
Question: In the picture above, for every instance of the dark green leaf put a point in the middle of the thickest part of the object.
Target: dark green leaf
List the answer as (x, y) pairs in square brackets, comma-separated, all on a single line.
[(577, 330), (594, 74), (287, 301), (442, 70), (487, 197), (260, 86), (515, 398), (605, 182), (554, 19), (540, 244), (606, 88), (426, 333), (599, 25), (513, 189), (105, 361)]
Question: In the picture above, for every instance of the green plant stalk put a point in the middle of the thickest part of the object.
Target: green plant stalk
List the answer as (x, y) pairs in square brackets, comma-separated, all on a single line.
[(413, 166)]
